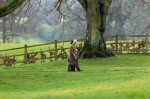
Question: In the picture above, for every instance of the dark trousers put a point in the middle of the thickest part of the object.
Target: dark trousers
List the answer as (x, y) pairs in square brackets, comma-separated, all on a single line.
[(71, 67)]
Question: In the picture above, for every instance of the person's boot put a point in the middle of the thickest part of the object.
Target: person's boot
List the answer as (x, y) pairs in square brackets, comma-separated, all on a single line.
[(80, 71)]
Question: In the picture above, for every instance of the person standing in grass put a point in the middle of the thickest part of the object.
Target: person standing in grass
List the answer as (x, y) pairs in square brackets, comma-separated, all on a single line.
[(72, 58)]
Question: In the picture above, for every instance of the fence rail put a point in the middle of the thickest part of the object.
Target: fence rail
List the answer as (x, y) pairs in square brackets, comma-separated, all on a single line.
[(25, 48), (117, 42), (56, 49)]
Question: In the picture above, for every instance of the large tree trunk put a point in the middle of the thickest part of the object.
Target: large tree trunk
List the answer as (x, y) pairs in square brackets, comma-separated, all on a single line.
[(95, 42)]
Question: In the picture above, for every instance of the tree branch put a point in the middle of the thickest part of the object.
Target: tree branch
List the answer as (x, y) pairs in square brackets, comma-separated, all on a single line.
[(10, 7)]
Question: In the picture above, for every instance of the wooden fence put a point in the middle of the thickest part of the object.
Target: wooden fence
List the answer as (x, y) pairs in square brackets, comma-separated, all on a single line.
[(136, 45), (26, 60), (56, 49)]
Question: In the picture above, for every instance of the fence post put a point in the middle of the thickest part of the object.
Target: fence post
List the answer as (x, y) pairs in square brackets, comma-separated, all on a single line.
[(116, 43), (55, 50), (25, 54), (146, 41)]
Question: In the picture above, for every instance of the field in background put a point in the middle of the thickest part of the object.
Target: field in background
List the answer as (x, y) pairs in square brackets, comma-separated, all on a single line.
[(24, 38), (118, 77), (118, 46), (33, 53)]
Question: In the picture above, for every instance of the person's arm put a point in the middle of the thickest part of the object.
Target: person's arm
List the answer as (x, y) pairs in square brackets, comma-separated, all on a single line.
[(77, 52)]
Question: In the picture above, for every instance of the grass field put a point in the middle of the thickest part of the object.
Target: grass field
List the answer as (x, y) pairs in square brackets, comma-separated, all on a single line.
[(119, 77), (23, 38)]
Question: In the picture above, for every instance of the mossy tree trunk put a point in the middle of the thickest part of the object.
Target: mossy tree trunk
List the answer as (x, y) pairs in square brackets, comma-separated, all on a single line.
[(95, 42), (9, 7)]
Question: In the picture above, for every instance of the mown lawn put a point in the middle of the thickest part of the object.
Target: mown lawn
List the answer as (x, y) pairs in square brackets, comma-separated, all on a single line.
[(119, 77)]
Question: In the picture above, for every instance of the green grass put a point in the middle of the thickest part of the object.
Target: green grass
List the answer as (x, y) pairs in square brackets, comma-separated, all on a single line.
[(119, 77)]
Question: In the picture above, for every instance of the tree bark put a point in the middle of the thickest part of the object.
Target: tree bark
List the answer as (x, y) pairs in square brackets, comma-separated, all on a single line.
[(95, 42), (4, 29), (9, 7)]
